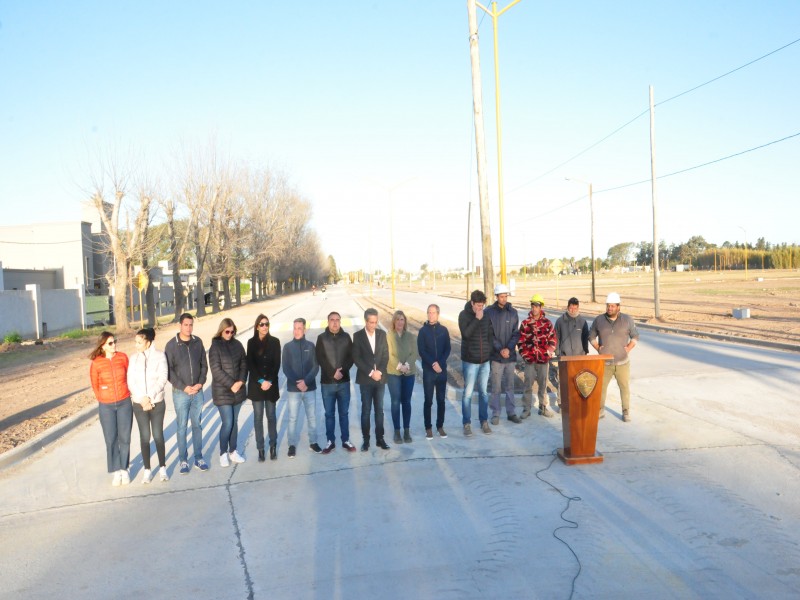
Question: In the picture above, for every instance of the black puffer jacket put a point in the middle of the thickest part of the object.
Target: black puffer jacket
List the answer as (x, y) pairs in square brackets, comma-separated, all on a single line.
[(477, 336), (264, 362), (228, 365)]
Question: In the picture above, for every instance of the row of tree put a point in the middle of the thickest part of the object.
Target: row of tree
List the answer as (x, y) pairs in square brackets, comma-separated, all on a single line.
[(225, 221)]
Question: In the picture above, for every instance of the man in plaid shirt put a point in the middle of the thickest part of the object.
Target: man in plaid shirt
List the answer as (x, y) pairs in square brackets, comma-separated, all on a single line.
[(537, 345)]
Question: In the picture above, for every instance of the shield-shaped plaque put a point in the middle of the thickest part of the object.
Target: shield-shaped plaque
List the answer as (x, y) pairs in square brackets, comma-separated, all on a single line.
[(585, 382)]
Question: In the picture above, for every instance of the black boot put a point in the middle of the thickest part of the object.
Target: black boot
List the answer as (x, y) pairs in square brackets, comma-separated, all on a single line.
[(273, 452), (261, 455)]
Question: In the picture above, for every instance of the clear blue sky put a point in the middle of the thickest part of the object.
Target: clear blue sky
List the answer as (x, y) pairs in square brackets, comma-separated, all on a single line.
[(351, 99)]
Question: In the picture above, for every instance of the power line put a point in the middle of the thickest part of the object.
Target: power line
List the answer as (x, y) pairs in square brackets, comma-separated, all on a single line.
[(635, 183), (640, 115), (41, 243)]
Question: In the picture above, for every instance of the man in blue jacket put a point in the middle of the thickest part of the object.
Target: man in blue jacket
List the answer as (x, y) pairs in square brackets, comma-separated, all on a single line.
[(433, 344), (299, 364), (505, 325)]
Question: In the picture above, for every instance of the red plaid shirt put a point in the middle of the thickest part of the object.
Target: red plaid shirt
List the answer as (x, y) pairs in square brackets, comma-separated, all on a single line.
[(537, 339)]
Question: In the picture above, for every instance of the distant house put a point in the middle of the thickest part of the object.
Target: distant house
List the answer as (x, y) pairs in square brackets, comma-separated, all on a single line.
[(61, 255)]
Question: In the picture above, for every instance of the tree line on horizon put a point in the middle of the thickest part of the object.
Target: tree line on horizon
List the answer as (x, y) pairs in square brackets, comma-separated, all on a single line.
[(696, 251)]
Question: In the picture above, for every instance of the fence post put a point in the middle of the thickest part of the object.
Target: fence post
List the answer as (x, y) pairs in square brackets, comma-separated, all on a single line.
[(36, 295)]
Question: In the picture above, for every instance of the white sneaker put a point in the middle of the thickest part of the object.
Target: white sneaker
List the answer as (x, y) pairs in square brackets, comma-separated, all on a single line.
[(162, 474), (126, 477), (117, 478), (236, 457), (223, 460), (147, 476)]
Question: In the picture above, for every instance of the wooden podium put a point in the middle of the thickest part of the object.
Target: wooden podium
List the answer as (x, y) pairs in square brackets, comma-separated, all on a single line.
[(581, 385)]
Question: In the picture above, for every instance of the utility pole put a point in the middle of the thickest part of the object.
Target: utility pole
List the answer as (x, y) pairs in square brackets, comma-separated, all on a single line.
[(480, 148), (656, 273), (500, 201)]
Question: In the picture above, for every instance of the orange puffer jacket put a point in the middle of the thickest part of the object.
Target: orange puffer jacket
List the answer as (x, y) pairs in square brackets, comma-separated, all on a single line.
[(110, 378)]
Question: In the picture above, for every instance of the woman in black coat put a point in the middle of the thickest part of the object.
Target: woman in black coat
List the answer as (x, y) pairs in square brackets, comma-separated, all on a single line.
[(264, 364), (228, 364)]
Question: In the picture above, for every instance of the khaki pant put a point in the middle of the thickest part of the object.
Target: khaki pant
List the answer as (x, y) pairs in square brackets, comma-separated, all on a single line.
[(538, 373), (622, 373)]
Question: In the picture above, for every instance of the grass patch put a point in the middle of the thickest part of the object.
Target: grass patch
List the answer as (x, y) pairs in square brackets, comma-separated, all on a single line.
[(12, 338)]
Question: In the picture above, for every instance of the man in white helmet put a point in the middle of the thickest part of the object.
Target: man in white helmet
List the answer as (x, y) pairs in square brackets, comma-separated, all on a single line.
[(615, 333), (505, 327)]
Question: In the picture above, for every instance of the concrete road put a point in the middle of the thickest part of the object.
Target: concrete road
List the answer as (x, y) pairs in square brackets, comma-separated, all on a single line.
[(697, 498)]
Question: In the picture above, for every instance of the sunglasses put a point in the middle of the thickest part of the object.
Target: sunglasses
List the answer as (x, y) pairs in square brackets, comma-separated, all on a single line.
[(111, 342), (228, 331), (264, 324)]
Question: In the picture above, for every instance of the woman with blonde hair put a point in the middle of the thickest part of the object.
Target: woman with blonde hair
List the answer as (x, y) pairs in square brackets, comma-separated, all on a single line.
[(228, 364), (402, 370), (108, 373), (147, 378)]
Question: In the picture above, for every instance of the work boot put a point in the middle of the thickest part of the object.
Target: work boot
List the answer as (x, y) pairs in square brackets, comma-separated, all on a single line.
[(545, 411), (467, 430), (514, 419), (407, 436), (602, 413), (495, 420), (485, 427), (525, 413), (626, 416), (397, 438)]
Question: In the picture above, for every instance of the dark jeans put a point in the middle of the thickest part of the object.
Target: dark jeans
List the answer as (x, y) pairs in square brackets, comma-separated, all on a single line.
[(372, 395), (148, 420), (434, 381), (401, 387), (336, 395), (259, 407), (229, 428), (116, 419)]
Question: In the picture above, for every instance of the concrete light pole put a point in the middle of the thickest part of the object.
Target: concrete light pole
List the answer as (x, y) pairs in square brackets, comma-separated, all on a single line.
[(480, 148)]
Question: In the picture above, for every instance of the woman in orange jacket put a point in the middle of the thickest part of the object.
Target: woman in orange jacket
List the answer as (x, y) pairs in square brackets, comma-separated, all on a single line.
[(108, 372)]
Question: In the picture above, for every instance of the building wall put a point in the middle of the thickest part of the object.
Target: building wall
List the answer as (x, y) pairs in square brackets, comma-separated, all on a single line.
[(61, 310), (16, 313), (45, 246), (17, 279)]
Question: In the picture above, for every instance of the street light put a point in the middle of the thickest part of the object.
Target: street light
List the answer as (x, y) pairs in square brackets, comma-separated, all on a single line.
[(591, 214)]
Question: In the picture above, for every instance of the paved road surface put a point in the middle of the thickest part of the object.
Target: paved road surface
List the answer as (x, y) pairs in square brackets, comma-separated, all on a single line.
[(697, 498)]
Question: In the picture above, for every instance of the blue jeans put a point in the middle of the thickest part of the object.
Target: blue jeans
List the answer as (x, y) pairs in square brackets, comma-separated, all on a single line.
[(188, 407), (229, 428), (116, 420), (475, 373), (336, 395), (431, 380), (401, 387), (309, 400), (372, 395)]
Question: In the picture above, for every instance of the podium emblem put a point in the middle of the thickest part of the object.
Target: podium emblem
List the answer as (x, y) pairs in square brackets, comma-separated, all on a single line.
[(585, 382)]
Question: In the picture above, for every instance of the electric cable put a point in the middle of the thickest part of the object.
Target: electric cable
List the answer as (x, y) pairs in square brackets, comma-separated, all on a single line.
[(570, 523), (640, 115), (678, 172)]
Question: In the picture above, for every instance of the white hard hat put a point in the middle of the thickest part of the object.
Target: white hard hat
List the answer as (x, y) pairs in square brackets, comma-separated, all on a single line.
[(500, 288), (613, 298)]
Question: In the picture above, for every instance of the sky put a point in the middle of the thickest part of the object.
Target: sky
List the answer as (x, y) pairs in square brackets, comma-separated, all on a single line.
[(366, 108)]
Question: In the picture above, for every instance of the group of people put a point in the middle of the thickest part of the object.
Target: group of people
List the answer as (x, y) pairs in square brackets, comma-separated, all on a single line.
[(491, 336)]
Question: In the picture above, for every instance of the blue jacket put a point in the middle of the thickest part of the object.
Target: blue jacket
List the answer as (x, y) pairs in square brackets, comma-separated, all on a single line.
[(300, 362), (505, 324), (433, 344)]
